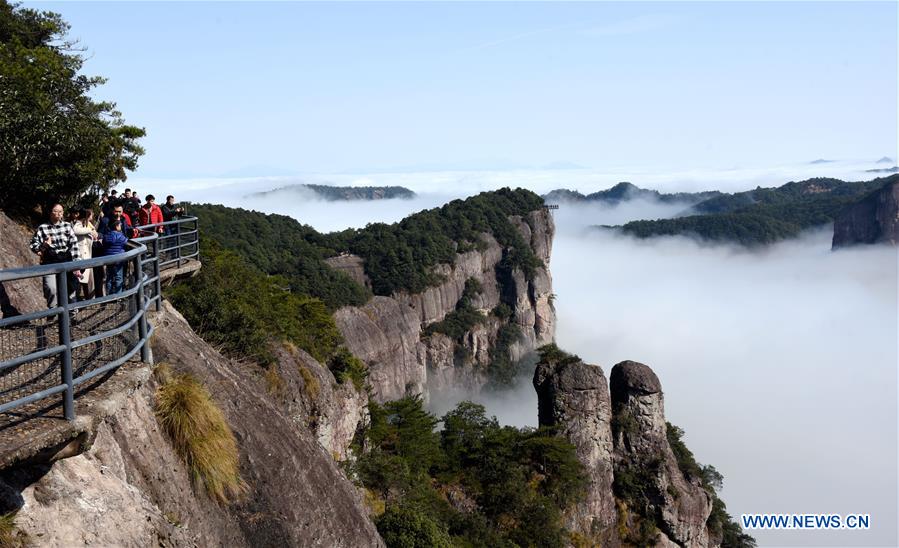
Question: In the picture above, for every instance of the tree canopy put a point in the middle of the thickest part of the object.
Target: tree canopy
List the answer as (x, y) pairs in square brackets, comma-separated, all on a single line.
[(56, 141), (764, 215)]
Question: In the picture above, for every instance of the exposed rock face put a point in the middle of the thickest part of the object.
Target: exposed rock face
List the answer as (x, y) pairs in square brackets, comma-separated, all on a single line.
[(386, 333), (574, 397), (681, 507), (130, 488), (18, 297), (313, 400), (281, 460), (624, 434), (873, 219), (351, 265)]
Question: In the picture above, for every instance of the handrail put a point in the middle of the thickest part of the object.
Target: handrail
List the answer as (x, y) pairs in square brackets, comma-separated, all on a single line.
[(150, 252)]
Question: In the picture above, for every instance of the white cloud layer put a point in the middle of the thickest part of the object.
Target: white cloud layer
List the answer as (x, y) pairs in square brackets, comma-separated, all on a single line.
[(780, 364)]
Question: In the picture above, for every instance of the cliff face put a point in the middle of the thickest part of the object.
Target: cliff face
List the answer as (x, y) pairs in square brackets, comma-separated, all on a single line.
[(680, 508), (20, 296), (129, 488), (386, 333), (620, 434), (574, 398), (872, 220)]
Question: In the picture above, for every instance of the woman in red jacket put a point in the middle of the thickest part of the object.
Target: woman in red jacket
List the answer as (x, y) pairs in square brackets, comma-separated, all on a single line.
[(150, 214)]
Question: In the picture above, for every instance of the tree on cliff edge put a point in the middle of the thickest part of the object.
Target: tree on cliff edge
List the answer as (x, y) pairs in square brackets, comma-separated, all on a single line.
[(56, 142)]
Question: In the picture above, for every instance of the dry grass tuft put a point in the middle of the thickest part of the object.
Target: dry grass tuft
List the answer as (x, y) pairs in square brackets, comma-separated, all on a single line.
[(162, 373), (310, 383), (375, 505), (274, 381), (10, 536), (201, 436)]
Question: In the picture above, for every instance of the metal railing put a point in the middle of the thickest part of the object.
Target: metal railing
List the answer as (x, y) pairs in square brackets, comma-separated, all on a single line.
[(170, 244), (77, 340), (62, 348), (57, 350)]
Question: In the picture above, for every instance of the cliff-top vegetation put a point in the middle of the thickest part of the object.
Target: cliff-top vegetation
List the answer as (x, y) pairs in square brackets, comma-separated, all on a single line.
[(398, 257), (764, 215), (247, 313)]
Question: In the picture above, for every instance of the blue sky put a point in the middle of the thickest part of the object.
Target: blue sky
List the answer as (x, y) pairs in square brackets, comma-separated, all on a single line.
[(309, 87)]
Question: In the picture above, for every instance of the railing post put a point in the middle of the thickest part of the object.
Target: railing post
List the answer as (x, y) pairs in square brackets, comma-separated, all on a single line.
[(142, 323), (178, 244), (158, 282), (65, 338)]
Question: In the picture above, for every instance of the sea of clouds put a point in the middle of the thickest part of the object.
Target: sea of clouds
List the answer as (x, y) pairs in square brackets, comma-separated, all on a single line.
[(779, 363)]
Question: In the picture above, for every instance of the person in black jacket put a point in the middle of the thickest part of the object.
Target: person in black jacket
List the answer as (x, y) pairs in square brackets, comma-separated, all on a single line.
[(118, 214), (171, 212)]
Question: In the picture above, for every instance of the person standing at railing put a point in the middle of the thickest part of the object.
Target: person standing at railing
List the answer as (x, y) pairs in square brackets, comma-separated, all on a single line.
[(87, 235), (171, 212), (114, 243), (55, 242), (151, 214), (118, 214)]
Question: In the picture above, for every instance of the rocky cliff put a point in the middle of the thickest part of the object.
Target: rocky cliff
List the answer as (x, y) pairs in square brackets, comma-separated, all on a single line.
[(871, 220), (123, 484), (637, 494), (388, 333)]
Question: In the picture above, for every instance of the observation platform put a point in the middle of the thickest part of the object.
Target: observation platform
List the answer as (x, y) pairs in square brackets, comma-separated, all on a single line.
[(92, 353)]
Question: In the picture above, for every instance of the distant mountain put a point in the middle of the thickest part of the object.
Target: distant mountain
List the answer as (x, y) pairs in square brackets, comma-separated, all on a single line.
[(821, 161), (340, 193), (763, 215), (625, 191), (894, 169), (885, 160)]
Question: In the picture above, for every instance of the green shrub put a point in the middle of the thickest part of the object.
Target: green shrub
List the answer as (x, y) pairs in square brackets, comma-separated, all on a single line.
[(231, 304), (405, 526), (502, 311), (719, 521), (347, 367), (201, 436)]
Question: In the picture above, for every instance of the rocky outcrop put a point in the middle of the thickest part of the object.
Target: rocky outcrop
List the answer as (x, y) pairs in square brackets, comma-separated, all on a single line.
[(129, 488), (873, 219), (351, 265), (313, 400), (620, 435), (573, 397), (386, 333), (21, 296), (679, 507)]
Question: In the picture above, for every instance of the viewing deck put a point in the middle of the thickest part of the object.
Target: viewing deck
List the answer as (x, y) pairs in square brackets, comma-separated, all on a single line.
[(59, 364)]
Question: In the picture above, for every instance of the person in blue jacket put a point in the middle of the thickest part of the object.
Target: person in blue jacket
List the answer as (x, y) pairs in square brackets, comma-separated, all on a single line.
[(114, 244)]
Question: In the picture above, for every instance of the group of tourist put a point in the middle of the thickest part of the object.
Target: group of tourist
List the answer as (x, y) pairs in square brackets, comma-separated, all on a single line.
[(60, 240)]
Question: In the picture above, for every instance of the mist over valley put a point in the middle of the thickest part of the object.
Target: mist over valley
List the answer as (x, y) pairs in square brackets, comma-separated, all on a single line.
[(765, 354)]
